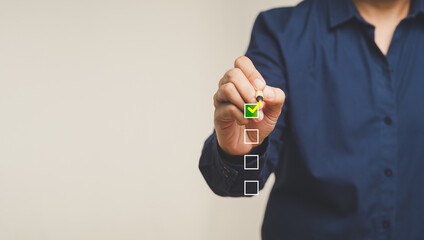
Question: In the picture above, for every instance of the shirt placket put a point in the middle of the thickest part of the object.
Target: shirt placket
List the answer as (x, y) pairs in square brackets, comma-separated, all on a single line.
[(389, 141)]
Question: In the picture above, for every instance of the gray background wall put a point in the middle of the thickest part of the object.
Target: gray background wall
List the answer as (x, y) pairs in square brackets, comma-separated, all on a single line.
[(104, 107)]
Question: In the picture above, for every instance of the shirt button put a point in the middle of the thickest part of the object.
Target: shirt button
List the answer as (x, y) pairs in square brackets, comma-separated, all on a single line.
[(388, 172), (386, 224), (388, 120)]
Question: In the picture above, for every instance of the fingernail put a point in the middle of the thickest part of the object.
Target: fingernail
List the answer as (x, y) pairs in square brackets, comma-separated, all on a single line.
[(259, 84)]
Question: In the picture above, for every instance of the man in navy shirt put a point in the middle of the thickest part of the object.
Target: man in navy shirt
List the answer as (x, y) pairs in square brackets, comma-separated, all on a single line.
[(342, 123)]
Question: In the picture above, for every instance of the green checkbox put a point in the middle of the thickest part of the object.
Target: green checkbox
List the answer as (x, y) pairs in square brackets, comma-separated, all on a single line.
[(250, 111)]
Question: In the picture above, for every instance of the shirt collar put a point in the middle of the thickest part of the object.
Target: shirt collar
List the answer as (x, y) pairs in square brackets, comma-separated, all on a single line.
[(417, 7), (341, 11)]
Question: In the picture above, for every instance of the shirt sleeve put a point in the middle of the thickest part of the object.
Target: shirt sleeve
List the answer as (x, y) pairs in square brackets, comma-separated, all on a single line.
[(224, 173)]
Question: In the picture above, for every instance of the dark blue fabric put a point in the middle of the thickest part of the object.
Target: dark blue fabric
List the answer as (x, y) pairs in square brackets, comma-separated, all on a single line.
[(348, 149)]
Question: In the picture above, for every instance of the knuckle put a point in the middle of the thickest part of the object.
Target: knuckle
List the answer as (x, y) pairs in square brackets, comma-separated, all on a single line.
[(232, 109), (221, 81), (215, 105), (232, 74), (227, 74), (215, 99), (227, 89)]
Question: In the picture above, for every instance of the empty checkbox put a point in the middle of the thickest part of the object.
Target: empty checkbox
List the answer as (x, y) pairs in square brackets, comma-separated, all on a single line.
[(251, 187), (251, 162), (251, 136)]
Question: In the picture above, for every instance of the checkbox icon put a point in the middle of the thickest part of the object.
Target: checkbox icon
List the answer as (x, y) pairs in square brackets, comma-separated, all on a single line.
[(251, 162), (251, 111), (251, 187), (251, 136)]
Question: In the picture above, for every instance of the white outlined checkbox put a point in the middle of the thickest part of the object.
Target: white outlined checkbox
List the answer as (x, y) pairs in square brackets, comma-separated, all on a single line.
[(251, 158), (251, 182), (246, 137)]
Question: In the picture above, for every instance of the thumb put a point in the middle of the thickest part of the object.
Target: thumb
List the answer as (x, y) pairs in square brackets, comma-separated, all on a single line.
[(274, 99)]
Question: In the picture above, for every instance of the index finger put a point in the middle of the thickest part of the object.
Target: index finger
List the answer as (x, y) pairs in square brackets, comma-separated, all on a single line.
[(249, 70)]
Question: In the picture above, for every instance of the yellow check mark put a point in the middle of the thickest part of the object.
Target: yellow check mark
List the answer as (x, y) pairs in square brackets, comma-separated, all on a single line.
[(255, 108)]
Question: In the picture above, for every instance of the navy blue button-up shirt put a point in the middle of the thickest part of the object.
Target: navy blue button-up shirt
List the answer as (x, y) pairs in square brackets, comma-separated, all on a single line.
[(348, 149)]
